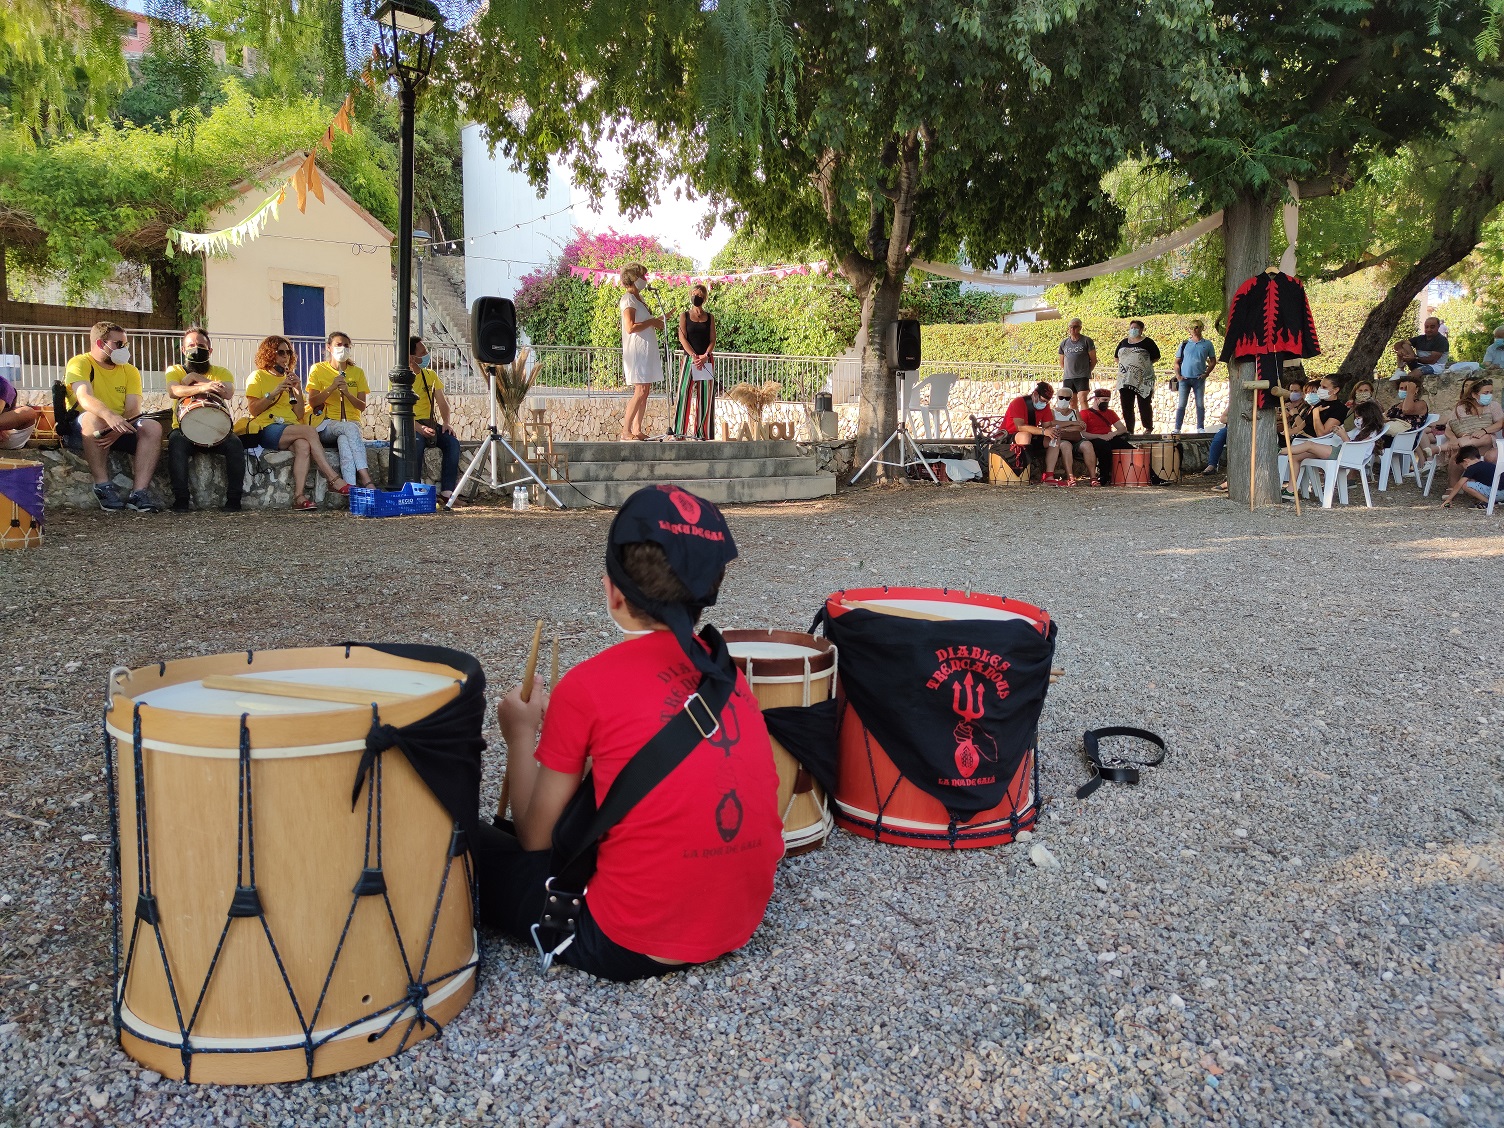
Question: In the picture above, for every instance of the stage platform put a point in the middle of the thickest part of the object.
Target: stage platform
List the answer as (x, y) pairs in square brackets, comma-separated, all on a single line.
[(737, 473)]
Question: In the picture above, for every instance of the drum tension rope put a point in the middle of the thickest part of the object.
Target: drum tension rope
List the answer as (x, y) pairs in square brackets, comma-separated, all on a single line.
[(1115, 769)]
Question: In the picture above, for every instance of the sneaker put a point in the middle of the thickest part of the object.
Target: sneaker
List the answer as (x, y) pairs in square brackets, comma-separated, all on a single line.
[(181, 505), (231, 506), (108, 496), (141, 502)]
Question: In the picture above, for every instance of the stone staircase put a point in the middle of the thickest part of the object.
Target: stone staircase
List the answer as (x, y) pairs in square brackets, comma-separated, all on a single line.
[(737, 473), (446, 318)]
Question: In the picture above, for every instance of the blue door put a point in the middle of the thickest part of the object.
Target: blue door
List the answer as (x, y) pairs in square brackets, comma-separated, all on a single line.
[(303, 323)]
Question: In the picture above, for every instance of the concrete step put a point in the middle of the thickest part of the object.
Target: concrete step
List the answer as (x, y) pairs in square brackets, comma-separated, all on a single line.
[(721, 491), (684, 469), (666, 451)]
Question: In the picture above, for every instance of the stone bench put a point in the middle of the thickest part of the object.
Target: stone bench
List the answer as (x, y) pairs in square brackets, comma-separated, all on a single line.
[(67, 483)]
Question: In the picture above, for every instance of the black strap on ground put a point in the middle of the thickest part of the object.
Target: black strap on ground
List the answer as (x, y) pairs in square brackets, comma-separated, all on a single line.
[(1115, 769)]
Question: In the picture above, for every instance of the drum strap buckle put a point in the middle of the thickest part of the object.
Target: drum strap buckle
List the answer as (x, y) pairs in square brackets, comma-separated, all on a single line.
[(710, 717), (561, 916)]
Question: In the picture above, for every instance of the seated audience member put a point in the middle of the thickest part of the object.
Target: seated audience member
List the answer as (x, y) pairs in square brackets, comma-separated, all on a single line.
[(1104, 433), (1031, 425), (1472, 425), (337, 392), (277, 412), (104, 389), (1426, 354), (1362, 393), (431, 417), (687, 873), (1323, 432), (1495, 352), (1136, 356), (1068, 432), (1476, 480), (1410, 406), (197, 377), (1215, 451), (16, 422)]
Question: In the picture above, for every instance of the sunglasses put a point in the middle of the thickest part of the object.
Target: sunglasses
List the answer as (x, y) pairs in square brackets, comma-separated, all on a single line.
[(284, 352)]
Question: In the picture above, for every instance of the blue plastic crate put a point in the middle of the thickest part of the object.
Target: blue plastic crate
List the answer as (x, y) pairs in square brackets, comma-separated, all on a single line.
[(414, 497)]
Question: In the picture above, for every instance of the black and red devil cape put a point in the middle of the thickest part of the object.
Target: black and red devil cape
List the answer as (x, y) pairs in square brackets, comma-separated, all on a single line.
[(1270, 322)]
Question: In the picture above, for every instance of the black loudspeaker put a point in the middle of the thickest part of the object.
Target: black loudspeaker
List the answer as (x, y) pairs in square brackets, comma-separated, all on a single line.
[(493, 330), (903, 344)]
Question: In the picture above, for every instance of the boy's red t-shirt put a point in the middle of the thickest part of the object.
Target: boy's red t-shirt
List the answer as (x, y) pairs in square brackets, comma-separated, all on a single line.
[(687, 874)]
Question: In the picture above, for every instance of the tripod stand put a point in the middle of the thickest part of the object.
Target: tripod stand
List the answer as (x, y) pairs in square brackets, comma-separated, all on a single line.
[(900, 436), (489, 444)]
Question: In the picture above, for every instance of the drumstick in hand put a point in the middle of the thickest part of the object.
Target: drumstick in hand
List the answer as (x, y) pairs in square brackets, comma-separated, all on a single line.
[(530, 671)]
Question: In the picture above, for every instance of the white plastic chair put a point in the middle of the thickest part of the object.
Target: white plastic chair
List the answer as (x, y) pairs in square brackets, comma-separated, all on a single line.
[(1400, 456), (939, 385), (1493, 493), (912, 405), (1351, 455)]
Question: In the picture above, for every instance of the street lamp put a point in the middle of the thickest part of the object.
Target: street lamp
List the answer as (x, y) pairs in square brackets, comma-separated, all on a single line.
[(408, 30), (421, 239)]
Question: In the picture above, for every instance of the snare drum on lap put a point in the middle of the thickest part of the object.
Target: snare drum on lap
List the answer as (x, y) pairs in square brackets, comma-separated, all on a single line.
[(789, 669), (274, 926), (940, 696)]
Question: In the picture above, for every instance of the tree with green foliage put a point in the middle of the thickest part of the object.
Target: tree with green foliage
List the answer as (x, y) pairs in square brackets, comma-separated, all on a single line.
[(1321, 88), (878, 130), (60, 64)]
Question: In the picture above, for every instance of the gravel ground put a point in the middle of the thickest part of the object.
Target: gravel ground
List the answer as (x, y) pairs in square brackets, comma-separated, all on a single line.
[(1295, 921)]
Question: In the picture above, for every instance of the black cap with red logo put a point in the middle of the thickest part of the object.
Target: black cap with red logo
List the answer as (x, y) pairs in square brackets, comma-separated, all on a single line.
[(697, 545)]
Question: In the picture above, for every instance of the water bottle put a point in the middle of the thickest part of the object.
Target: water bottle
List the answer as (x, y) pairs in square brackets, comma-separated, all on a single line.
[(519, 498)]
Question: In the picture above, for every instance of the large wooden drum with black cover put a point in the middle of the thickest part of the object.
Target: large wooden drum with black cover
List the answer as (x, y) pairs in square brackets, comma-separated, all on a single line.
[(940, 696), (294, 898)]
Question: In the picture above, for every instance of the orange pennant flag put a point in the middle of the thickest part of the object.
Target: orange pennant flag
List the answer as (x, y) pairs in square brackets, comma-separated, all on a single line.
[(328, 139), (315, 181), (300, 186), (342, 118)]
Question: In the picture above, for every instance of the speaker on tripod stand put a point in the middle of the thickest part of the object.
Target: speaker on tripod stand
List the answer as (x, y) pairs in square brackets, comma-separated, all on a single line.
[(903, 350)]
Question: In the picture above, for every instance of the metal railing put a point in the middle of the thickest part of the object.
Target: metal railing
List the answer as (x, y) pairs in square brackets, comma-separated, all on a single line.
[(1000, 371), (41, 355)]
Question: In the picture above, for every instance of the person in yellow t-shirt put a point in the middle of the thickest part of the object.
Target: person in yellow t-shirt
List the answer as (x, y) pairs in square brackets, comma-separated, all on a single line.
[(337, 392), (276, 408), (196, 377), (104, 388), (431, 417)]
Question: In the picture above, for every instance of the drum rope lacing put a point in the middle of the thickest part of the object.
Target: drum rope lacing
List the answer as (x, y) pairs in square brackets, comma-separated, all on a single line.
[(246, 902)]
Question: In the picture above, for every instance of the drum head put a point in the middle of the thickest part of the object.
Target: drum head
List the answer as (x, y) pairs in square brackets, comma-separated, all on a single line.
[(204, 423), (779, 653), (938, 603)]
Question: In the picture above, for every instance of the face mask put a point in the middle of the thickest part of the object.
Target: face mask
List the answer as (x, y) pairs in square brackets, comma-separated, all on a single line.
[(1364, 397), (1062, 403), (1485, 399), (340, 353), (120, 355), (1294, 397), (1313, 398), (425, 360), (1039, 405), (1402, 393), (1324, 394), (699, 299), (1135, 334), (1100, 405), (197, 354)]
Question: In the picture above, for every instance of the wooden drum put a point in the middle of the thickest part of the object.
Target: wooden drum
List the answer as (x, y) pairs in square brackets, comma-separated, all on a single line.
[(786, 668), (1130, 467), (1164, 459), (271, 926), (970, 676), (20, 503)]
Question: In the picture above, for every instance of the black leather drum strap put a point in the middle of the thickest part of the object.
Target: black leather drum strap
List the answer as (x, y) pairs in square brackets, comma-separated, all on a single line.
[(1114, 769)]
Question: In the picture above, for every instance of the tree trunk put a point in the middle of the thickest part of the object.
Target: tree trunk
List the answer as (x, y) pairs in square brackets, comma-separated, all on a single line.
[(1454, 241), (1246, 224), (877, 407)]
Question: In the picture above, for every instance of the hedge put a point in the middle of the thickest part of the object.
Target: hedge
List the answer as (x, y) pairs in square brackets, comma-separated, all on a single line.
[(1038, 342)]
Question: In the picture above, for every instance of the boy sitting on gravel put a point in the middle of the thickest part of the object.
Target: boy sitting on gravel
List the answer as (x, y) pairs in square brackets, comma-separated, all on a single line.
[(686, 874)]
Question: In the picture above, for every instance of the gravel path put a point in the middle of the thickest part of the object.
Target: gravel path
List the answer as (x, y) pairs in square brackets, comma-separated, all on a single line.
[(1295, 921)]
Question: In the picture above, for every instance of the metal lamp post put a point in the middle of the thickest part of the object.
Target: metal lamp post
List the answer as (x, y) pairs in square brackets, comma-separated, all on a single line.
[(408, 30), (421, 240)]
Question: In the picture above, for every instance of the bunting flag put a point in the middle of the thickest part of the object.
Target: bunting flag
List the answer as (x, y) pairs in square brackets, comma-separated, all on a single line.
[(305, 179), (598, 276)]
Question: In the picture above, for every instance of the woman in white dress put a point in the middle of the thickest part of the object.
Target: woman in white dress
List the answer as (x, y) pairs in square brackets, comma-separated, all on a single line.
[(641, 363)]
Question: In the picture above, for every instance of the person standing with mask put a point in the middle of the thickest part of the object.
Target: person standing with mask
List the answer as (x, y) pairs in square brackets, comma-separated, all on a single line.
[(1194, 361), (1078, 358), (104, 397), (197, 377), (697, 377), (337, 392), (1136, 356), (641, 362)]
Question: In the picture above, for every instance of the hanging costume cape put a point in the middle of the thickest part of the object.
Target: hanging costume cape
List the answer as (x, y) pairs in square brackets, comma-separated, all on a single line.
[(1270, 322)]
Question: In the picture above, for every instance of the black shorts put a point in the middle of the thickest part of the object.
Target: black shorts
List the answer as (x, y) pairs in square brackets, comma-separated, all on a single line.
[(74, 437), (1077, 384), (510, 883)]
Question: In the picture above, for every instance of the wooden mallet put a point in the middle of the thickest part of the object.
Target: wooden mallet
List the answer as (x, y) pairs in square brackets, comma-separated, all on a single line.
[(529, 672), (1254, 386), (1289, 452)]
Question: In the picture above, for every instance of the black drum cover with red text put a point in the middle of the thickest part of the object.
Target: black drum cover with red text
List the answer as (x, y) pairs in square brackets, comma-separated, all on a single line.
[(955, 704)]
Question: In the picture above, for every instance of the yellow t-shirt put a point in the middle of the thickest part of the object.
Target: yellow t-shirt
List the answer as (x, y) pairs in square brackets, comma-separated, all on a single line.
[(177, 374), (320, 376), (111, 386), (423, 409), (261, 384)]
